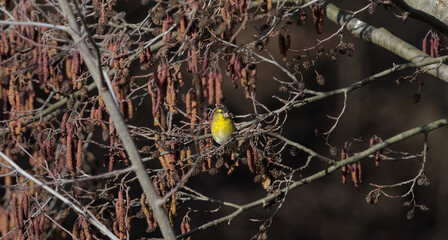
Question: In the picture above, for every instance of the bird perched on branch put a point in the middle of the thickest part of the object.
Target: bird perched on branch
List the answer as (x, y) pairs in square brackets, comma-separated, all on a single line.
[(223, 128)]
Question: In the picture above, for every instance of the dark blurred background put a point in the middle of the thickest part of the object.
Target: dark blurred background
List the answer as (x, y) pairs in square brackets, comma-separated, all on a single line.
[(327, 209)]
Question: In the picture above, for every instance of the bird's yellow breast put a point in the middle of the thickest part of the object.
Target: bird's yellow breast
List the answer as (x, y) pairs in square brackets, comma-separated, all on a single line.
[(222, 129)]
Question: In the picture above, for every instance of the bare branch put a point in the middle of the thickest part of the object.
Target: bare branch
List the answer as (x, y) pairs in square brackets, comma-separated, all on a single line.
[(94, 68)]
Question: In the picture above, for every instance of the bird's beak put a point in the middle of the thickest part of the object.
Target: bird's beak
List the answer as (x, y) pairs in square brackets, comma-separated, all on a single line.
[(226, 115)]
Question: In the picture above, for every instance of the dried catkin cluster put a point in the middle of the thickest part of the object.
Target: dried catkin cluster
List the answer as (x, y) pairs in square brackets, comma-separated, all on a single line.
[(76, 68), (375, 140), (103, 11), (122, 225), (353, 168), (185, 226), (163, 183), (46, 147), (81, 229), (215, 94), (192, 107), (122, 80), (249, 79), (166, 24), (257, 165), (145, 57), (234, 68), (265, 5), (284, 41), (167, 85), (16, 221), (434, 44), (149, 214), (203, 146), (318, 18), (70, 149)]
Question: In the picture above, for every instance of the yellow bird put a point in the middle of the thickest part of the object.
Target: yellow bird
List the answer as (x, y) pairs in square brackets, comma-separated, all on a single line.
[(223, 128)]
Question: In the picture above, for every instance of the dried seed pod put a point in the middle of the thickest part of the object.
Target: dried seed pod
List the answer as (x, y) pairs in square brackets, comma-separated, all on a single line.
[(358, 173), (96, 8), (153, 99), (318, 18), (354, 178), (194, 61), (142, 54), (4, 223), (375, 140), (204, 86), (183, 155), (170, 161), (344, 174), (69, 151), (266, 181), (183, 230), (79, 154), (188, 104), (41, 221), (194, 109), (130, 108), (110, 162), (189, 61), (4, 44), (171, 95), (163, 120), (373, 196), (269, 3), (49, 150), (344, 168), (211, 87), (63, 124), (181, 29), (250, 160), (320, 79), (43, 149), (76, 231), (101, 21), (75, 69), (121, 214), (245, 81), (86, 228), (172, 209), (149, 214), (282, 43), (253, 78), (15, 212), (218, 90), (187, 227), (302, 18), (165, 26), (160, 80), (205, 61), (162, 160)]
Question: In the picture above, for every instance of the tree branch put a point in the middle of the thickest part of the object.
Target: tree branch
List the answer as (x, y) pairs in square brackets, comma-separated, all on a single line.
[(432, 12), (94, 68), (383, 38)]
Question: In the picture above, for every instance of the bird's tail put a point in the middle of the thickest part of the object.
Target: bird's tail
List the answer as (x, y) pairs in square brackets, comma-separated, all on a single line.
[(234, 147)]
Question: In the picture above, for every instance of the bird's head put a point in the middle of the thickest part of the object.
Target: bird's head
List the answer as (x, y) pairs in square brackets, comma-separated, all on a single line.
[(221, 112)]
